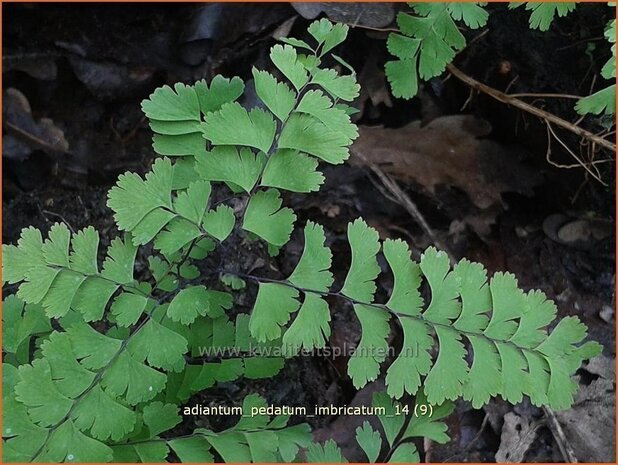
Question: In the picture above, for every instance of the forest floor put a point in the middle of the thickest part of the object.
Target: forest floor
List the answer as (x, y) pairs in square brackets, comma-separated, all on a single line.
[(477, 170)]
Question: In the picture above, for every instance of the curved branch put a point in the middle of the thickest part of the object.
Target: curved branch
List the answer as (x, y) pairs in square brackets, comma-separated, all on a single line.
[(517, 103)]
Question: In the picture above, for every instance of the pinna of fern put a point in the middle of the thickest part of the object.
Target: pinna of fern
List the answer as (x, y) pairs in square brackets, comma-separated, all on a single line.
[(512, 353), (116, 354)]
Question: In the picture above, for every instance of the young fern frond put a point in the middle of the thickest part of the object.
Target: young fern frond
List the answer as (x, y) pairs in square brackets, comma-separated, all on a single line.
[(504, 329)]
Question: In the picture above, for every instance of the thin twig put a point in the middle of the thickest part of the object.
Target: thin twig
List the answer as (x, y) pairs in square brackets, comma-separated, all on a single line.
[(371, 28), (544, 115), (581, 163), (58, 215), (563, 444), (34, 140), (405, 201), (510, 84), (541, 95), (477, 38)]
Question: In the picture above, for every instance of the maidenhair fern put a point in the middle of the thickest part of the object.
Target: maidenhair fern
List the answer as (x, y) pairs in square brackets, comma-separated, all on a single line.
[(541, 16), (512, 354), (543, 13), (429, 38), (100, 359), (428, 41)]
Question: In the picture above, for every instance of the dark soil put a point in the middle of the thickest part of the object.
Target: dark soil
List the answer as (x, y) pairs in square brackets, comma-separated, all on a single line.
[(95, 63)]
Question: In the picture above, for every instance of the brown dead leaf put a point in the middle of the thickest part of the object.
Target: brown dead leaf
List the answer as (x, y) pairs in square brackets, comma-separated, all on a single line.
[(24, 134), (38, 65), (373, 82), (447, 151)]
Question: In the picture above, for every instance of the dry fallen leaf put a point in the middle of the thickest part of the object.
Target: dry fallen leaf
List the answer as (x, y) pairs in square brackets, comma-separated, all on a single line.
[(589, 425), (373, 83), (447, 151), (24, 134), (518, 434), (37, 65)]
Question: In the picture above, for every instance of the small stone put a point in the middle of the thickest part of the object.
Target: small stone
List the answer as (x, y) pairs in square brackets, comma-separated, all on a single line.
[(607, 314)]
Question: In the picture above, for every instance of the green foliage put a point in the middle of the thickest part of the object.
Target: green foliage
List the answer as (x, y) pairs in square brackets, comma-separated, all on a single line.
[(490, 321), (108, 391), (603, 101), (258, 438), (543, 13), (102, 348), (429, 38), (424, 422), (328, 452), (428, 41)]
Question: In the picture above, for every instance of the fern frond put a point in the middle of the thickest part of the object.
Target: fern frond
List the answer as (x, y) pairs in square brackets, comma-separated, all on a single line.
[(227, 164), (492, 322), (603, 101), (327, 34), (428, 41), (543, 13), (284, 57), (359, 283), (172, 221), (307, 134), (369, 440), (58, 390), (61, 273), (277, 96), (311, 326), (292, 171), (175, 114), (229, 352), (255, 128), (393, 422), (318, 105), (328, 452), (310, 329), (112, 390)]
